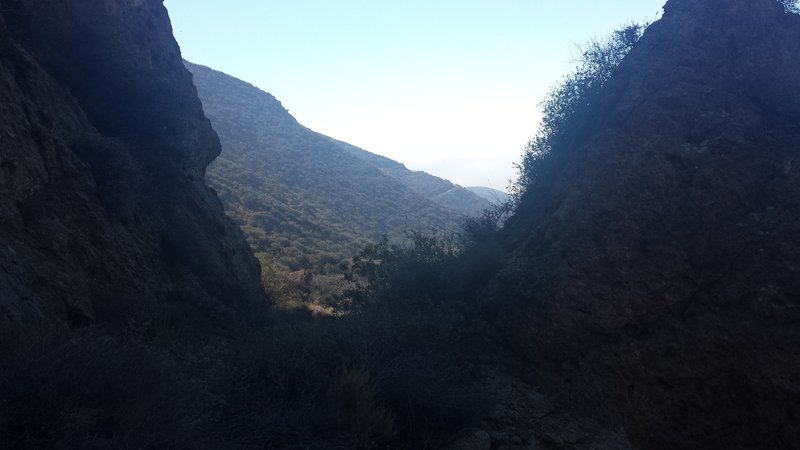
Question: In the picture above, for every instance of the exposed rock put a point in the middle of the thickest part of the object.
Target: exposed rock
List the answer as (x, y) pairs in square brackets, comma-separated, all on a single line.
[(104, 211), (655, 278)]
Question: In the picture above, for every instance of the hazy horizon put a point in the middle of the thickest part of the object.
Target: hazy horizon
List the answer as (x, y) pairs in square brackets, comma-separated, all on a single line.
[(450, 88)]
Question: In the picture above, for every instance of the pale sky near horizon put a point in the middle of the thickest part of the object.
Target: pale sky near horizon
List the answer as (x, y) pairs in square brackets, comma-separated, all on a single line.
[(450, 87)]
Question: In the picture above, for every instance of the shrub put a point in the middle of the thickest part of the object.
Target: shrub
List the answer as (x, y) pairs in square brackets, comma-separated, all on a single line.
[(354, 407), (89, 389), (791, 6), (412, 272), (571, 99)]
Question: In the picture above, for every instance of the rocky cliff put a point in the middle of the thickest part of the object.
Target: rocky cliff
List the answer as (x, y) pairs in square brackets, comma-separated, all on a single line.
[(104, 209), (654, 279)]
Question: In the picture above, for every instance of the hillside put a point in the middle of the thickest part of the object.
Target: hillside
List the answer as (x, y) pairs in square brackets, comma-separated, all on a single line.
[(440, 191), (306, 200), (653, 274), (494, 196), (644, 294)]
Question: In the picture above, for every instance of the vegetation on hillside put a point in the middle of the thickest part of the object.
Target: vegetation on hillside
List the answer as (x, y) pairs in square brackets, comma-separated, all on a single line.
[(393, 366), (570, 101), (391, 370), (306, 202), (457, 198)]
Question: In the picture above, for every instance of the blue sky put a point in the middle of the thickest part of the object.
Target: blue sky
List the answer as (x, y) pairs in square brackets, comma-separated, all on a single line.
[(449, 87)]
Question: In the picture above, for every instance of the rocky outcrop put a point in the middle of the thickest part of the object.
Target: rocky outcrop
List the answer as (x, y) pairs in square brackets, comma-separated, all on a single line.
[(104, 210), (655, 273)]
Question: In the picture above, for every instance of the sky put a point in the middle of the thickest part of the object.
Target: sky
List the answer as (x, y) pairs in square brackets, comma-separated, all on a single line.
[(451, 87)]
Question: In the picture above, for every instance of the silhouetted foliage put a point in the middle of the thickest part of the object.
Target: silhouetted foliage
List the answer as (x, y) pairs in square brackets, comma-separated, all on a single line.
[(381, 378), (570, 99), (89, 389), (392, 370), (416, 271), (791, 6), (428, 269), (479, 229)]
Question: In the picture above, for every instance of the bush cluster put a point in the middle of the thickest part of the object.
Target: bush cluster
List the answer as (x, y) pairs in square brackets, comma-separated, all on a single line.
[(791, 6), (570, 101), (391, 370)]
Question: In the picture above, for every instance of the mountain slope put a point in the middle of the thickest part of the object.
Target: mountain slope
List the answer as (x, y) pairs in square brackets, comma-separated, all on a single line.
[(439, 190), (301, 197), (494, 196), (654, 273)]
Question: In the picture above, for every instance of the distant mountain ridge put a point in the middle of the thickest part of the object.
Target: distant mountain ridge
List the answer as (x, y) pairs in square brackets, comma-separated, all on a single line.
[(494, 196), (439, 190), (305, 199)]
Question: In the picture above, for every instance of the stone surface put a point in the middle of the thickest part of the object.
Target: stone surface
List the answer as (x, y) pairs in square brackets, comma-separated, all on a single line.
[(654, 278), (104, 210)]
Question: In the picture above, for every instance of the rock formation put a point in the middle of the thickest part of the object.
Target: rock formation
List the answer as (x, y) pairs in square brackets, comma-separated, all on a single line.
[(654, 279), (104, 209)]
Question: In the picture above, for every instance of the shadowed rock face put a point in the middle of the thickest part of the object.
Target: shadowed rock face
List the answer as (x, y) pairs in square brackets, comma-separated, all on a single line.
[(104, 210), (655, 277)]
